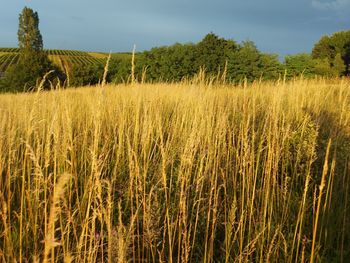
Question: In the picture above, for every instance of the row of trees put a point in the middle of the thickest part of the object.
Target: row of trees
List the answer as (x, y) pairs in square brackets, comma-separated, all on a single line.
[(213, 55), (330, 58)]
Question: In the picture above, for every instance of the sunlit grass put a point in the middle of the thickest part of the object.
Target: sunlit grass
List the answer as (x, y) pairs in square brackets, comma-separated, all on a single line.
[(176, 173)]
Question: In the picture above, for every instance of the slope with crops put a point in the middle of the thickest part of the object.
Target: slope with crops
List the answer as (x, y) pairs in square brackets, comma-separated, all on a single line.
[(65, 59)]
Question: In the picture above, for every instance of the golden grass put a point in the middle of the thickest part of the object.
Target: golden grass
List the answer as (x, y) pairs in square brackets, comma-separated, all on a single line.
[(176, 173)]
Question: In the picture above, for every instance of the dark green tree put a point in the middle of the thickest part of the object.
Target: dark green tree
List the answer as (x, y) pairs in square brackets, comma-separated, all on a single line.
[(323, 67), (171, 63), (119, 70), (338, 65), (249, 63), (155, 62), (213, 52), (28, 73), (33, 62), (328, 47), (323, 49), (120, 67), (85, 75), (300, 64), (270, 66), (29, 37)]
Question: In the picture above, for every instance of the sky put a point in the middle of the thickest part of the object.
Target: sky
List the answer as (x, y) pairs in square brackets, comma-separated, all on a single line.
[(276, 26)]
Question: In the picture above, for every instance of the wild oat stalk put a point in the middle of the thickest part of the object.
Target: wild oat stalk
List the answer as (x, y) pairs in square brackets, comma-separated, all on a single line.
[(50, 242)]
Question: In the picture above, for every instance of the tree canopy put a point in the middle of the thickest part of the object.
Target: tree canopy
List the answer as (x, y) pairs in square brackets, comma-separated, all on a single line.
[(336, 49), (300, 64), (29, 36), (212, 54)]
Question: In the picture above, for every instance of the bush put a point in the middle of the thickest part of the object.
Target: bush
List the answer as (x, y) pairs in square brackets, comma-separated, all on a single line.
[(81, 75), (28, 73)]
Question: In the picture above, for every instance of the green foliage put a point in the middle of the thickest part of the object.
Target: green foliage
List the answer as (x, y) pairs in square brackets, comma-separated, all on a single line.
[(248, 63), (213, 52), (119, 70), (323, 48), (338, 65), (179, 61), (270, 66), (30, 69), (169, 63), (329, 47), (244, 63), (300, 64), (29, 37), (323, 67), (88, 75)]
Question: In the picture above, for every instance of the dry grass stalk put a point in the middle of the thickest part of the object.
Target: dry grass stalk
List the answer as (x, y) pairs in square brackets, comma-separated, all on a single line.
[(196, 171), (50, 242)]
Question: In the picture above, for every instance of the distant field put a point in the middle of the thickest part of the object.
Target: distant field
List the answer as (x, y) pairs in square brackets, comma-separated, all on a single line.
[(177, 173), (65, 59), (7, 59)]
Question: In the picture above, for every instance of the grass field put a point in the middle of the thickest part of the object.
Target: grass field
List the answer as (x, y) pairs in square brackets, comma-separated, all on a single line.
[(177, 173)]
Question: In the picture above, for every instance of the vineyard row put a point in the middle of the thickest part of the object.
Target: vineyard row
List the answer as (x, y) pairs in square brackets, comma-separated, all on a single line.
[(60, 60)]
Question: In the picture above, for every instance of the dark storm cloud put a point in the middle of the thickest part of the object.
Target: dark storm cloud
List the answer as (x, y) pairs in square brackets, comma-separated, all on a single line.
[(276, 26)]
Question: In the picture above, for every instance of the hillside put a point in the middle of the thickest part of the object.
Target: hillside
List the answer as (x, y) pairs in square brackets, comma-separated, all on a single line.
[(65, 59)]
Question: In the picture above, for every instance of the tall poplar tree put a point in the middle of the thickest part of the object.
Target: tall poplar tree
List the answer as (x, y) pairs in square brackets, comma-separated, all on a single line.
[(33, 62), (29, 37)]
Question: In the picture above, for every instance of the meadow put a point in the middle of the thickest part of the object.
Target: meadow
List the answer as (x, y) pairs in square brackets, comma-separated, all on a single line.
[(186, 172)]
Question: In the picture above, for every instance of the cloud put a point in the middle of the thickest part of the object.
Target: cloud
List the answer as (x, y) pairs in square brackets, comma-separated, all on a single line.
[(330, 4)]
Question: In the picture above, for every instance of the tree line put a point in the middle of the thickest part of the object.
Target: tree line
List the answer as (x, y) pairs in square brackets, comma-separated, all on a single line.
[(216, 56), (213, 55)]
